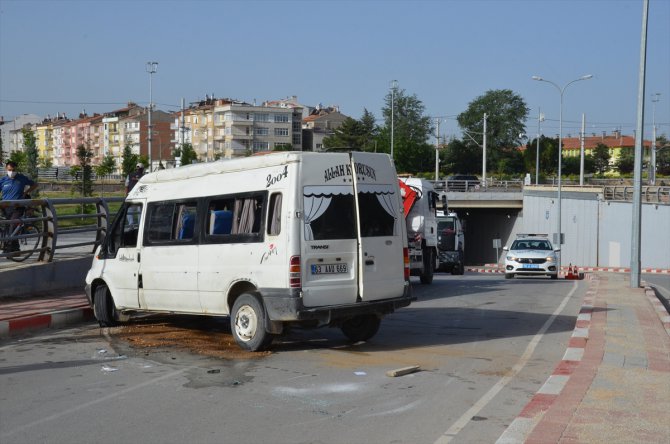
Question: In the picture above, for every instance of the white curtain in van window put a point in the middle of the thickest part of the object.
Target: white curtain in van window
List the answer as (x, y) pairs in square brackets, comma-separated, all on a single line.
[(316, 201), (385, 195), (244, 216)]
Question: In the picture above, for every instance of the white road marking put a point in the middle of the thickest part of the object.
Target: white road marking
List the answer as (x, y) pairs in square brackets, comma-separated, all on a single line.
[(498, 386)]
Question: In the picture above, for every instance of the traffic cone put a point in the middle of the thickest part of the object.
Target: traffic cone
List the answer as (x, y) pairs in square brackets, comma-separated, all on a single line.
[(569, 275)]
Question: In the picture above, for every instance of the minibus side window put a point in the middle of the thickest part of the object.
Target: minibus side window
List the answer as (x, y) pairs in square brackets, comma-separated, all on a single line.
[(274, 218), (235, 218), (170, 222), (125, 229)]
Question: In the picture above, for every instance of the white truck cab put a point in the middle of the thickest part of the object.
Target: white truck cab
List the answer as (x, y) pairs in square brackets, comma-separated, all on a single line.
[(290, 237)]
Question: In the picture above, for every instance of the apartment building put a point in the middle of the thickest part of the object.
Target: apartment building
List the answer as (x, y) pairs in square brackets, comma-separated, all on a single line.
[(227, 128), (616, 143), (12, 132), (320, 124)]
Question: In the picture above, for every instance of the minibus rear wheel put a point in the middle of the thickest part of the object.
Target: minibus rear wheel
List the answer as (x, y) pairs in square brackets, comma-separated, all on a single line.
[(247, 322), (361, 328), (103, 307)]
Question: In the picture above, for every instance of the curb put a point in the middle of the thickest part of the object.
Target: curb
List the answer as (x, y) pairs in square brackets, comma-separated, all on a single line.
[(659, 308), (54, 319), (492, 268), (522, 426)]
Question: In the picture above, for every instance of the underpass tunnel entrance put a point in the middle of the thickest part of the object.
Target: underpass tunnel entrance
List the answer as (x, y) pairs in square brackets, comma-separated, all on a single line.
[(482, 226)]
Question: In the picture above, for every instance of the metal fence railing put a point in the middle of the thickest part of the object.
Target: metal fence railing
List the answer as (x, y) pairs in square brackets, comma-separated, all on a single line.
[(49, 217), (63, 174), (649, 194)]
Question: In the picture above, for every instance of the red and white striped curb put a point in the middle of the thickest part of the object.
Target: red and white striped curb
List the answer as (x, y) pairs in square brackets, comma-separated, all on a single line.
[(493, 268), (46, 320), (533, 412)]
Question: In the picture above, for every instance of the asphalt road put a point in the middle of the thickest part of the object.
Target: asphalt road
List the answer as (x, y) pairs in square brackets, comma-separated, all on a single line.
[(661, 283), (485, 346)]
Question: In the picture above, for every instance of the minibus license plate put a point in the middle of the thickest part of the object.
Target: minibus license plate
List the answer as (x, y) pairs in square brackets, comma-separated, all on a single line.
[(329, 268)]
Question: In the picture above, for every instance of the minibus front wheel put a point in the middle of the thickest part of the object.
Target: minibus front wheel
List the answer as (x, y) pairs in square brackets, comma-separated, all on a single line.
[(248, 323), (103, 307)]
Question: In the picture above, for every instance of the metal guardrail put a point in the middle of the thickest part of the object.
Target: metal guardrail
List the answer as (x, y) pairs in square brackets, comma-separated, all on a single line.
[(47, 220), (624, 193), (476, 185)]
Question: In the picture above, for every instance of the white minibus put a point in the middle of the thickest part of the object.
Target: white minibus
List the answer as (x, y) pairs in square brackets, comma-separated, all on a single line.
[(289, 237)]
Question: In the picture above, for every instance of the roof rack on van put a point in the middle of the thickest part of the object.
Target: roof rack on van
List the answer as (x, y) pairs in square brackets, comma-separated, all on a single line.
[(532, 235)]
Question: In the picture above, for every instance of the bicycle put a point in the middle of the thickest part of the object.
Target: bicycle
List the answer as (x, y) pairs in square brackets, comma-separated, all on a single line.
[(20, 249)]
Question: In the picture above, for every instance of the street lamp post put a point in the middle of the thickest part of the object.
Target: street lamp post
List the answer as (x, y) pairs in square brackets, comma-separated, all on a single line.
[(540, 118), (652, 154), (394, 86), (152, 67), (559, 237)]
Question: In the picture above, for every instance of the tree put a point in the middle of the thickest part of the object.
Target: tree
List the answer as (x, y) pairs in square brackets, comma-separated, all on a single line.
[(106, 167), (84, 186), (548, 155), (461, 158), (601, 157), (30, 148), (353, 135), (18, 157), (662, 156), (626, 162), (411, 130), (45, 162), (186, 153), (128, 161), (506, 114)]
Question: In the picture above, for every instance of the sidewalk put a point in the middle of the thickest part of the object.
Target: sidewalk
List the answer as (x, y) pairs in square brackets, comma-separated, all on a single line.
[(613, 384), (49, 311)]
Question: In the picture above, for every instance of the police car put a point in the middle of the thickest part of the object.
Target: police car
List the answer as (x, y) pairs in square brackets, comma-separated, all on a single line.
[(531, 255)]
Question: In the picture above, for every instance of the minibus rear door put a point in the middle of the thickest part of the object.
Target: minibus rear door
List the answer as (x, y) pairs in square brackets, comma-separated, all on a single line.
[(380, 239)]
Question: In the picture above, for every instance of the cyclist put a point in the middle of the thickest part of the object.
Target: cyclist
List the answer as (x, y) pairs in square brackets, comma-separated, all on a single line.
[(13, 187)]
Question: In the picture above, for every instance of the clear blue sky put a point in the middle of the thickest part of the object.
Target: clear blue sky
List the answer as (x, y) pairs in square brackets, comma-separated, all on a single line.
[(65, 56)]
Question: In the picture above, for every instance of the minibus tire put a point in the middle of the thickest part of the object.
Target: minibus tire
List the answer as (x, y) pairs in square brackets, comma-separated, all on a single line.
[(103, 307), (361, 328), (426, 275), (247, 323)]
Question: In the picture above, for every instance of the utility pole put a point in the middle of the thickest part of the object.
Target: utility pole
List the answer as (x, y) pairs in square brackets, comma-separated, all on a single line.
[(394, 86), (437, 154), (581, 151), (484, 155), (152, 67)]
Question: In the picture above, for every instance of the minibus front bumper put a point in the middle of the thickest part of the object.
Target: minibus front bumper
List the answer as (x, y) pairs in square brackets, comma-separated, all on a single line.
[(283, 305)]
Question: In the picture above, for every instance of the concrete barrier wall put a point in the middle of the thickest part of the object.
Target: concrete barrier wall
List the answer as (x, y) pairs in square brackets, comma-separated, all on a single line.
[(597, 232), (42, 278)]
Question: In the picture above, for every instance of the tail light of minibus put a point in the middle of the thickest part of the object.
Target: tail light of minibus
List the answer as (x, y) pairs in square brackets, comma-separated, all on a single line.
[(294, 272), (405, 254)]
